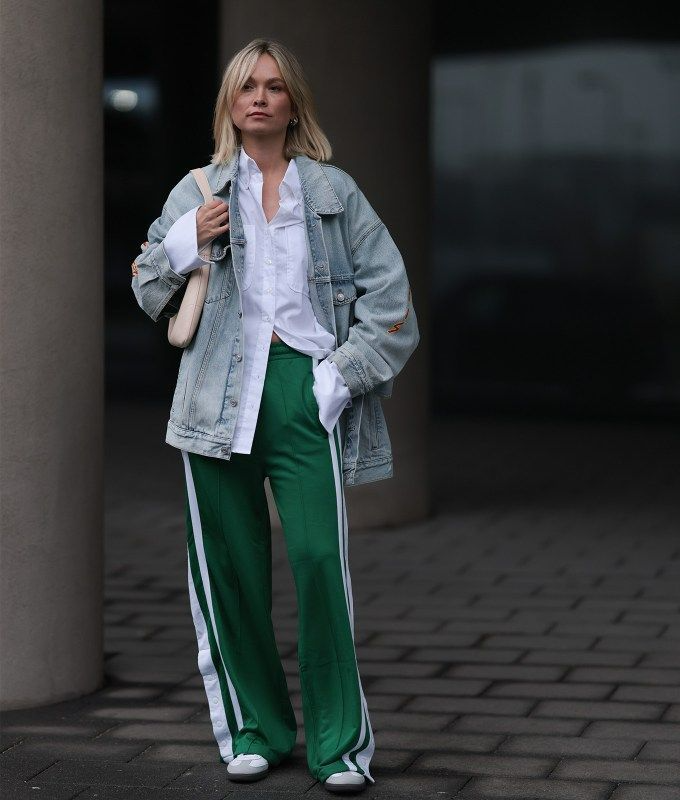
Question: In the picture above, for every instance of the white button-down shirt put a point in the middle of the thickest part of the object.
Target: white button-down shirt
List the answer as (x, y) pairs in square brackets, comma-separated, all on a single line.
[(275, 294)]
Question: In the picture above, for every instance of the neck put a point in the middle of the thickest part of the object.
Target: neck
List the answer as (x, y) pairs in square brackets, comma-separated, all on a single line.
[(268, 155)]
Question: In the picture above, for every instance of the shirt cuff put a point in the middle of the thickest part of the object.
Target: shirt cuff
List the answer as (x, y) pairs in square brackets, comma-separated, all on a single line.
[(331, 392), (181, 246)]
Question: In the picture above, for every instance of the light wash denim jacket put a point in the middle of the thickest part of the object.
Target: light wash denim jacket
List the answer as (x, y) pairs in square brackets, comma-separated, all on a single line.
[(359, 291)]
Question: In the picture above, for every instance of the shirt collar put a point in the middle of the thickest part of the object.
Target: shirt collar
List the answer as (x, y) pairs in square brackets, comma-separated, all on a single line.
[(248, 169), (316, 188)]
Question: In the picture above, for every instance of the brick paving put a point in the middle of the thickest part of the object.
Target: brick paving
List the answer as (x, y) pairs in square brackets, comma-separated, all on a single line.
[(523, 642)]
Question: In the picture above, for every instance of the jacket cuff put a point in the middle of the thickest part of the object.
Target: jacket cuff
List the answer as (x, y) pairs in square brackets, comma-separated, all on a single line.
[(160, 260), (170, 281), (349, 368)]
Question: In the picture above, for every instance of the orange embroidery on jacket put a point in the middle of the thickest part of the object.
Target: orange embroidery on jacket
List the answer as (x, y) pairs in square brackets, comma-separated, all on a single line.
[(394, 328)]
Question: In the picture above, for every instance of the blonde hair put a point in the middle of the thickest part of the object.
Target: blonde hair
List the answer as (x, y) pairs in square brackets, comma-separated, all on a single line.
[(306, 137)]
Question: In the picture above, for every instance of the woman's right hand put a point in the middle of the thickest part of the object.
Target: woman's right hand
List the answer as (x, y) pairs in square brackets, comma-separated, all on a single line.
[(212, 219)]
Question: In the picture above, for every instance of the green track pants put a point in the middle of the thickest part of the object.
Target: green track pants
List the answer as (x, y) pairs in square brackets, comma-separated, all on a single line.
[(229, 561)]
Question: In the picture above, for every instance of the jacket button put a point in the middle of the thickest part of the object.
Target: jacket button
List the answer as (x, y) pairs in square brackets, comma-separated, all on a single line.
[(240, 313), (340, 296), (238, 356), (224, 449), (234, 402)]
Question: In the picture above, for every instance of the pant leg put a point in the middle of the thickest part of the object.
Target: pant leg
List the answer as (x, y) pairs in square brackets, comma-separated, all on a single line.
[(229, 561), (303, 462)]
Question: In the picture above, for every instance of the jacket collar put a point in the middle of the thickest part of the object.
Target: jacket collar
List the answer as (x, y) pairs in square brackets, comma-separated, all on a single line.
[(316, 188)]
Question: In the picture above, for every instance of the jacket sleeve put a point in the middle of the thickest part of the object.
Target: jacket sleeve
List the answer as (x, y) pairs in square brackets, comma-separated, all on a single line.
[(156, 286), (385, 332)]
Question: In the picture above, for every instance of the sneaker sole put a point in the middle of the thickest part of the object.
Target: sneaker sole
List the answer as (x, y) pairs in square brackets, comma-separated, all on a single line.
[(253, 776), (337, 788)]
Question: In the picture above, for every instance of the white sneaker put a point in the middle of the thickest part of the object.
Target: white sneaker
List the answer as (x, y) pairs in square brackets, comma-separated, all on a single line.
[(247, 767), (347, 781)]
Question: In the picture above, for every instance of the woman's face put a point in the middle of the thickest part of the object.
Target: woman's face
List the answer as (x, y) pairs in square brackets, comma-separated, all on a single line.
[(263, 91)]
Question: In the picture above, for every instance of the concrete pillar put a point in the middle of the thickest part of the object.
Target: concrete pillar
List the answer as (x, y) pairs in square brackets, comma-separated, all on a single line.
[(368, 65), (51, 351)]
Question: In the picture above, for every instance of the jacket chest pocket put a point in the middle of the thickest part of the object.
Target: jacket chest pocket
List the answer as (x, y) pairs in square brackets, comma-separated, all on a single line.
[(221, 281), (343, 293), (343, 290)]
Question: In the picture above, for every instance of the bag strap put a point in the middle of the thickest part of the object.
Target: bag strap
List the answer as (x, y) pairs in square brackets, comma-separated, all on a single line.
[(203, 184)]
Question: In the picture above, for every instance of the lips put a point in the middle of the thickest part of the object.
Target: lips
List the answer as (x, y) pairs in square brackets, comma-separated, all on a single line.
[(258, 114)]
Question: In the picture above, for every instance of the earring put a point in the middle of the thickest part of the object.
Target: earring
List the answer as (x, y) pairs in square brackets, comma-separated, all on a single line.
[(293, 122)]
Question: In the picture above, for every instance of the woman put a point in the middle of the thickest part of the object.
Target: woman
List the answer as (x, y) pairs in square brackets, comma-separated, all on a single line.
[(308, 317)]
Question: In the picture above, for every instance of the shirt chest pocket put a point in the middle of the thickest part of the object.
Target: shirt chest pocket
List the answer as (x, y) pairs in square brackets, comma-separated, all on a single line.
[(296, 258)]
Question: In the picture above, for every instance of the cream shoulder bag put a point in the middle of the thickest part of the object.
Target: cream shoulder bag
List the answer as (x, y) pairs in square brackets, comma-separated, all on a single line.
[(182, 326)]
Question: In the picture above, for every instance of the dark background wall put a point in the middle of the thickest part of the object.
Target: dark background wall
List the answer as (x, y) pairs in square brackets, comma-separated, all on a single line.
[(556, 248), (169, 60), (555, 282)]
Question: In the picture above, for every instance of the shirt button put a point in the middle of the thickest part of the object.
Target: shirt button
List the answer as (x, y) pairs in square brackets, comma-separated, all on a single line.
[(267, 261)]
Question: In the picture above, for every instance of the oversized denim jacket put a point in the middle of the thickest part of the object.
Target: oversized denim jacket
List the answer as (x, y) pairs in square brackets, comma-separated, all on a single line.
[(359, 291)]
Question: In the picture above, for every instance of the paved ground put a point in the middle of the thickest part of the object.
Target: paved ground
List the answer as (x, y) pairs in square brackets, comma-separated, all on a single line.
[(524, 642)]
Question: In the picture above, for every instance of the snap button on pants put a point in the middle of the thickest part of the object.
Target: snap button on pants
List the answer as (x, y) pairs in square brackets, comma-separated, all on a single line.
[(229, 576)]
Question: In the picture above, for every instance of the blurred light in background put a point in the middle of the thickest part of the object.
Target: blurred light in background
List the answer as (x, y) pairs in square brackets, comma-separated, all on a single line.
[(137, 95)]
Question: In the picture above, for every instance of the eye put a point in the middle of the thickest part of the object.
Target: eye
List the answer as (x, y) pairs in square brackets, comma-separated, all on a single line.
[(277, 88)]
